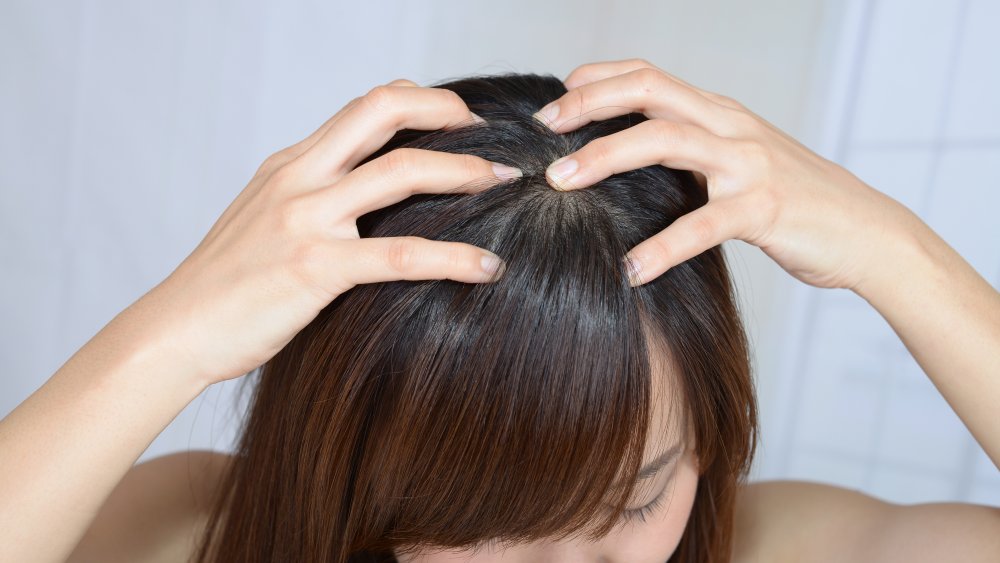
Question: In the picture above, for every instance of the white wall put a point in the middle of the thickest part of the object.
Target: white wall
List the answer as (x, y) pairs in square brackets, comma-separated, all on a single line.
[(913, 112), (129, 126)]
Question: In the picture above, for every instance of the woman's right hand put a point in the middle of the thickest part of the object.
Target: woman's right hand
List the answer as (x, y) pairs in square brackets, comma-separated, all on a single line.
[(288, 245)]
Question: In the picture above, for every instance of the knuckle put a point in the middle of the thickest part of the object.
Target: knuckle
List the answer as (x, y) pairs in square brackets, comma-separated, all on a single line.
[(271, 163), (657, 246), (402, 254), (649, 79), (292, 215), (727, 101), (379, 98), (732, 124), (398, 163), (307, 259), (574, 75), (583, 70), (585, 73), (668, 132), (735, 103), (705, 227), (642, 62), (354, 102), (457, 257), (599, 150), (452, 98), (577, 98), (746, 122), (279, 161), (472, 165), (283, 176), (754, 155)]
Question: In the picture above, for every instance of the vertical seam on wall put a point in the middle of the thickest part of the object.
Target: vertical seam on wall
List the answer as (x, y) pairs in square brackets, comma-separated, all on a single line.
[(944, 111), (812, 300)]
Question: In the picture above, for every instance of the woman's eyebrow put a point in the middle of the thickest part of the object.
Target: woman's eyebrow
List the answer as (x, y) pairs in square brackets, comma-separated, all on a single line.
[(657, 463), (651, 468)]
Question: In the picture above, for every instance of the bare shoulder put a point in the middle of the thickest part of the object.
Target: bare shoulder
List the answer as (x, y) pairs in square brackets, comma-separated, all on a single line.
[(156, 512), (779, 520), (802, 521)]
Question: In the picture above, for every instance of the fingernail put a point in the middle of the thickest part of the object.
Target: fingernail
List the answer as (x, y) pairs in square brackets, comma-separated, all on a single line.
[(491, 264), (633, 267), (548, 114), (562, 170), (506, 172), (476, 118)]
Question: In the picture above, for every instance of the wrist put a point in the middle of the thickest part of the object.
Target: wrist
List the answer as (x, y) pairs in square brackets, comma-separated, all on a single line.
[(145, 353), (909, 251)]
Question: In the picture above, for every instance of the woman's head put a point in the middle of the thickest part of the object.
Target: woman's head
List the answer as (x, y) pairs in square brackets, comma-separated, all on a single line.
[(446, 421)]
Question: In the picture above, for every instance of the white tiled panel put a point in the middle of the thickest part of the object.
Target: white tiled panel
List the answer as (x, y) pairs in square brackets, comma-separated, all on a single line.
[(900, 172), (925, 129), (906, 69), (974, 114)]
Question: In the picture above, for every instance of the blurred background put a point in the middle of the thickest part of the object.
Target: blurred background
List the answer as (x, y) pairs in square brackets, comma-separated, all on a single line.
[(129, 126)]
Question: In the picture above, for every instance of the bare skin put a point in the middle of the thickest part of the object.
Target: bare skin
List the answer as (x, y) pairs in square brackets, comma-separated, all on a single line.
[(68, 484), (158, 512)]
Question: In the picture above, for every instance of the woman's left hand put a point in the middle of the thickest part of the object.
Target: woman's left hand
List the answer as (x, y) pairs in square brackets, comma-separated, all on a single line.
[(817, 220)]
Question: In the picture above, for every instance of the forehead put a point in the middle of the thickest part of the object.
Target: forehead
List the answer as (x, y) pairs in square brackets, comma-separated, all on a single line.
[(667, 421), (667, 413)]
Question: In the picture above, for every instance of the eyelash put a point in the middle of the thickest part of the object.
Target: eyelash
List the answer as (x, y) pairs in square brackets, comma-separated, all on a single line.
[(643, 512)]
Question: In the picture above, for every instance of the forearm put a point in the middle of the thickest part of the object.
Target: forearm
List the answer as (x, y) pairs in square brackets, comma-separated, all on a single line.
[(948, 317), (67, 445)]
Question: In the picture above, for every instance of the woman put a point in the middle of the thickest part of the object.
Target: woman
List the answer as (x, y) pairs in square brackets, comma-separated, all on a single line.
[(288, 252)]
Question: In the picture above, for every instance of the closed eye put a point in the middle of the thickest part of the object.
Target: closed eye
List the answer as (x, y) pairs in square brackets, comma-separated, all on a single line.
[(642, 512)]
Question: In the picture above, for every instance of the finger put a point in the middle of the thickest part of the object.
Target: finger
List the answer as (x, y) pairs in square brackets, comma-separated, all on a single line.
[(688, 236), (592, 72), (289, 153), (657, 141), (371, 122), (309, 141), (383, 259), (645, 90), (293, 151), (403, 172)]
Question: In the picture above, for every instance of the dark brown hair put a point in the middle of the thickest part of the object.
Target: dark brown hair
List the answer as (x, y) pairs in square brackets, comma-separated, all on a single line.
[(450, 414)]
